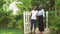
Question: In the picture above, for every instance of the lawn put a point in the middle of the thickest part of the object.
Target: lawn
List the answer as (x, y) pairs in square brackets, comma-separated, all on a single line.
[(11, 31)]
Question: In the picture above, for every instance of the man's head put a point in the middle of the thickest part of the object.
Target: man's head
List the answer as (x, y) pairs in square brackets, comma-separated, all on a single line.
[(35, 7)]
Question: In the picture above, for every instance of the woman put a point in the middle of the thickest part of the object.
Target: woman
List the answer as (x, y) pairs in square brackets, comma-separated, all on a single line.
[(41, 15)]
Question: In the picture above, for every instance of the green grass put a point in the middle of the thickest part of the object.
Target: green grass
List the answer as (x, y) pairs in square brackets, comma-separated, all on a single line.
[(11, 31)]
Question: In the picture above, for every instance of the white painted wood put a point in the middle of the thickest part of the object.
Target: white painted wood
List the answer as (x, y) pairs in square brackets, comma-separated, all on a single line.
[(26, 22), (47, 19)]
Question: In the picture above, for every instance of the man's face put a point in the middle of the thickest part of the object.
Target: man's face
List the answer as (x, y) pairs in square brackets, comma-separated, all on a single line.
[(35, 7)]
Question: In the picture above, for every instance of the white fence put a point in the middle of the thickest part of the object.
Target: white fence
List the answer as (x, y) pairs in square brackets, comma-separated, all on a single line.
[(27, 22), (47, 19)]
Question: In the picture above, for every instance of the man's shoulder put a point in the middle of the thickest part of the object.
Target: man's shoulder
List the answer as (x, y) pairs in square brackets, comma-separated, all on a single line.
[(32, 10)]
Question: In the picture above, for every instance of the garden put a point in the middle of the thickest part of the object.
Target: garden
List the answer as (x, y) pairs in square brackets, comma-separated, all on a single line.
[(11, 20)]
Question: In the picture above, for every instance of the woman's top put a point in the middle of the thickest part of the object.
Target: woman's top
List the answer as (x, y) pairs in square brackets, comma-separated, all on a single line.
[(41, 13)]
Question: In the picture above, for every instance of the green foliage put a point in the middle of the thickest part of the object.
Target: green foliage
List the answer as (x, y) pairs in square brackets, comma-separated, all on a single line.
[(54, 22), (2, 2), (8, 19), (39, 2), (20, 24), (58, 5), (51, 18), (26, 5), (11, 31)]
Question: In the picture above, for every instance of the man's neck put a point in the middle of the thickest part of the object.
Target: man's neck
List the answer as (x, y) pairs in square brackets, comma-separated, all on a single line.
[(34, 10)]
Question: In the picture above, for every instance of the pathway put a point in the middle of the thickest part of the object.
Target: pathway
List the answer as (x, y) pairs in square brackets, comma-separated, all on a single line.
[(47, 31)]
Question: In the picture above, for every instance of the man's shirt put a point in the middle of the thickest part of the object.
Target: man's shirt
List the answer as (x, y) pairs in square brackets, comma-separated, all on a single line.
[(34, 14)]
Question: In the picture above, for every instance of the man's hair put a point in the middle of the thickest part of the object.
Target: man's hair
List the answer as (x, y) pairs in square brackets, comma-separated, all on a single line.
[(35, 7)]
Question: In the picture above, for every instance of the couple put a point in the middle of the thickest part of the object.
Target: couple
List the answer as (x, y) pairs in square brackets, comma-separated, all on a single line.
[(37, 14)]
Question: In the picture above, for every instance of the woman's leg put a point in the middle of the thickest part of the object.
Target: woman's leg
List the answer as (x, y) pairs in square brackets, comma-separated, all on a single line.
[(40, 24), (40, 32)]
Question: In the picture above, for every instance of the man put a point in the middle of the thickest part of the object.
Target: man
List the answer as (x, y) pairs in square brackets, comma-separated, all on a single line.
[(33, 18), (41, 15)]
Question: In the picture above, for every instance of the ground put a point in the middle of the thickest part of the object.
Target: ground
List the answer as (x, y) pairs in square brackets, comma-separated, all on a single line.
[(46, 31), (19, 31), (10, 31)]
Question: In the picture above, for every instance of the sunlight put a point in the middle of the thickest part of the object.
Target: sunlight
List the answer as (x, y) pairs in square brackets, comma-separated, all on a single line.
[(13, 7)]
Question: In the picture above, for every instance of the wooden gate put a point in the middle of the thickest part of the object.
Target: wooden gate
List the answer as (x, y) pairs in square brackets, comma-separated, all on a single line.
[(27, 22)]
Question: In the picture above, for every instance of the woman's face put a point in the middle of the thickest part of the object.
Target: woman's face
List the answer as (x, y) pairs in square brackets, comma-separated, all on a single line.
[(40, 7)]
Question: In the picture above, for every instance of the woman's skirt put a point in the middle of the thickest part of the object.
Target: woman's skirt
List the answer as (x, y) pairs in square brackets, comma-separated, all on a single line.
[(40, 23)]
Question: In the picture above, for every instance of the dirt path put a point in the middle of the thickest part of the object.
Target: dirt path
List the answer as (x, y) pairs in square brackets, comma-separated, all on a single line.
[(47, 31)]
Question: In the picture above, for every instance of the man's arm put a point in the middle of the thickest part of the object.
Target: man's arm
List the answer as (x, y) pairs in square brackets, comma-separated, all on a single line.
[(30, 16)]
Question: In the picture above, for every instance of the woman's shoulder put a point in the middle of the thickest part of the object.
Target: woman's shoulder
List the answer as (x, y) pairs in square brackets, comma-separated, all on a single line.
[(42, 9)]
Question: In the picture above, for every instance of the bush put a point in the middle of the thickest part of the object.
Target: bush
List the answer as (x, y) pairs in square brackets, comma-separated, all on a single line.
[(54, 22)]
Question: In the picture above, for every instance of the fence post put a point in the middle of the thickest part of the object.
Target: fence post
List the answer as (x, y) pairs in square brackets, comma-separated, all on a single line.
[(47, 19), (26, 22)]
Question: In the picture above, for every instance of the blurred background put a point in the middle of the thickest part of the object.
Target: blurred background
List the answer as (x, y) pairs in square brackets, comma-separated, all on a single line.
[(11, 15)]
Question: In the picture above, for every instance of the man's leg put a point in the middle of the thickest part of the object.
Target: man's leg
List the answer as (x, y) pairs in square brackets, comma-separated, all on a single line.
[(34, 26), (31, 25), (34, 30)]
